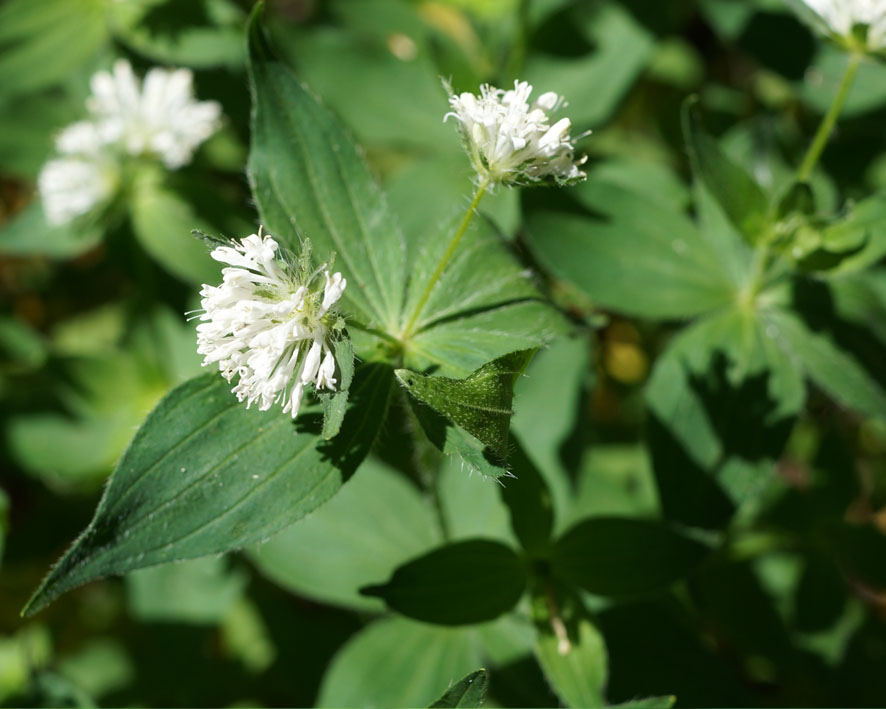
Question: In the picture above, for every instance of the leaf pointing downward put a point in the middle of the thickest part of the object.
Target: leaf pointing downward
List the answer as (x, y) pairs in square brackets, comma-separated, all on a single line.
[(480, 404)]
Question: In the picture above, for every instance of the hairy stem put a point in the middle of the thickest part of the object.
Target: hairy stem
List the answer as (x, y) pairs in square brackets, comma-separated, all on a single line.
[(447, 256), (830, 120)]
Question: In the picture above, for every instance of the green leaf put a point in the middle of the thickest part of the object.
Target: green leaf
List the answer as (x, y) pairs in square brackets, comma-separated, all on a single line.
[(859, 238), (205, 475), (576, 668), (4, 520), (28, 234), (832, 369), (203, 33), (459, 584), (740, 197), (351, 541), (529, 502), (634, 255), (612, 556), (647, 703), (480, 403), (42, 41), (163, 221), (485, 304), (335, 403), (471, 505), (595, 83), (309, 179), (823, 77), (469, 691), (555, 383), (197, 591), (395, 662)]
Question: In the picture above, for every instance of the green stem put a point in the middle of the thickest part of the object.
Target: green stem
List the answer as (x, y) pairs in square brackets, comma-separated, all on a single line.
[(447, 256), (830, 120)]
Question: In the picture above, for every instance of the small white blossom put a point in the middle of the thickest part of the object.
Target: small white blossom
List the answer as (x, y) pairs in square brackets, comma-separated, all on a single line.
[(269, 323), (158, 117), (842, 16), (512, 141)]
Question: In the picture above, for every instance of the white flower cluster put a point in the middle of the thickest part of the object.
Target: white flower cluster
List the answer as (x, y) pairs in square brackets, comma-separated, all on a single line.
[(269, 323), (512, 142), (158, 118), (842, 16)]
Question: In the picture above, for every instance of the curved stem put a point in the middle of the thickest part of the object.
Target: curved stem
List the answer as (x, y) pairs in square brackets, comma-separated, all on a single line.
[(830, 120), (447, 256)]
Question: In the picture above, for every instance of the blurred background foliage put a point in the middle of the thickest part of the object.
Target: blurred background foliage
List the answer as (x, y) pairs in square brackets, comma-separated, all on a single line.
[(636, 417)]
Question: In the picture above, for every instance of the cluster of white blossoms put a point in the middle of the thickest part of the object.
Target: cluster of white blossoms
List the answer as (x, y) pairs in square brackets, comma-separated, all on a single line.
[(842, 17), (511, 141), (270, 323), (157, 118)]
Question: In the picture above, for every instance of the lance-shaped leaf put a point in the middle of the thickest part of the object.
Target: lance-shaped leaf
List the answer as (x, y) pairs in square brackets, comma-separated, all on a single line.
[(459, 584), (740, 197), (480, 403), (613, 556), (205, 475), (308, 178), (469, 691)]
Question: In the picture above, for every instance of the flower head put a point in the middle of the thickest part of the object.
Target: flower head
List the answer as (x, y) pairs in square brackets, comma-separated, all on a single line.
[(842, 17), (270, 323), (158, 117), (511, 141)]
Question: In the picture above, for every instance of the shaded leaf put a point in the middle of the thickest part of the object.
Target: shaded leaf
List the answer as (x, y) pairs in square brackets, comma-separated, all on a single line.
[(459, 584), (28, 234), (613, 556)]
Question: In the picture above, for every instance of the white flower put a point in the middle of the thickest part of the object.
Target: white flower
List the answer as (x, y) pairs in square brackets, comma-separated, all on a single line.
[(73, 185), (511, 141), (269, 323), (159, 117), (842, 16)]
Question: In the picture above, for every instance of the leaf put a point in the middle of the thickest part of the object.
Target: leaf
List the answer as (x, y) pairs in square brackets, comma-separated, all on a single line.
[(469, 691), (822, 80), (480, 403), (548, 400), (309, 179), (471, 505), (859, 238), (740, 197), (458, 584), (647, 703), (204, 475), (351, 541), (42, 41), (595, 83), (28, 234), (577, 671), (832, 369), (163, 223), (612, 556), (4, 520), (635, 255), (485, 304), (395, 662), (529, 502), (335, 403), (204, 33)]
